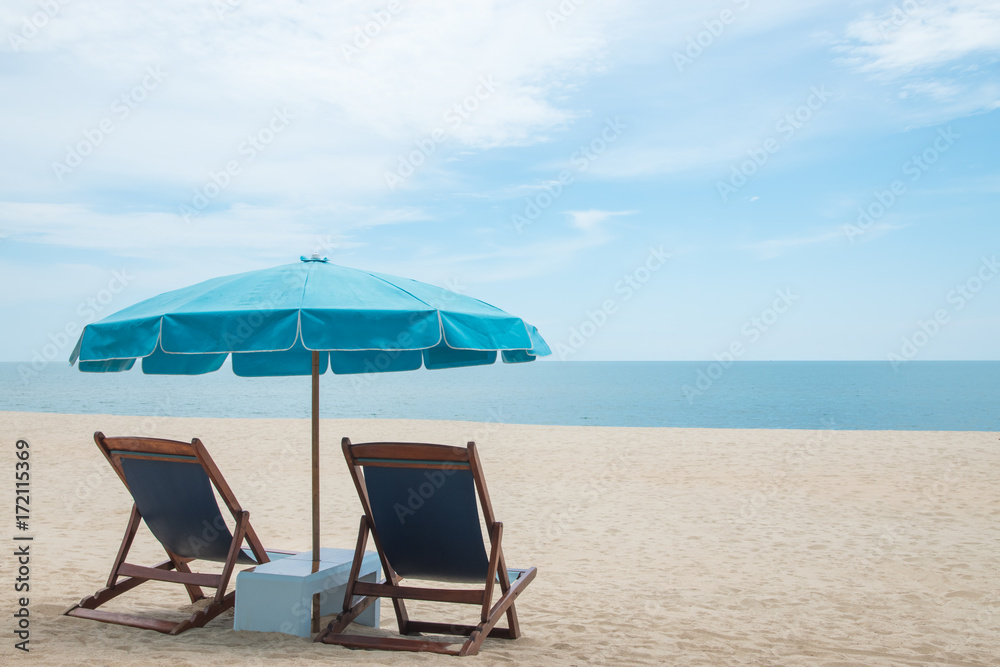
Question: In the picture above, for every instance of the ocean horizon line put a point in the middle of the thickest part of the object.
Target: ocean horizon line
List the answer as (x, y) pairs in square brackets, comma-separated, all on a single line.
[(487, 422), (809, 395)]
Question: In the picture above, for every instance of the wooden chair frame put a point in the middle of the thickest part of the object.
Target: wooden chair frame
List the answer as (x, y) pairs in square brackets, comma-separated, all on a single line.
[(175, 569), (418, 455)]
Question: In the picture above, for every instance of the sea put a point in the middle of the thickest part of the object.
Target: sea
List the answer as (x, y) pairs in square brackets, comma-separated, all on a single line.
[(849, 395)]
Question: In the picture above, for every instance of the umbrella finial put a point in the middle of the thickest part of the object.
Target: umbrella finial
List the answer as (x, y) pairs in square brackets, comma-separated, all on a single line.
[(314, 258)]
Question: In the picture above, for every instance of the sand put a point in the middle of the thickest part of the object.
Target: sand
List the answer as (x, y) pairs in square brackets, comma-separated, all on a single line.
[(653, 545)]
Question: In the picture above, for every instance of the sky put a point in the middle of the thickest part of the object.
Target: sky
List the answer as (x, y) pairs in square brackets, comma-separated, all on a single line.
[(641, 180)]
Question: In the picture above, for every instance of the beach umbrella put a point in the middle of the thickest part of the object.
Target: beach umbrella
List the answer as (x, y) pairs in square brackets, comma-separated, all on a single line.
[(303, 319)]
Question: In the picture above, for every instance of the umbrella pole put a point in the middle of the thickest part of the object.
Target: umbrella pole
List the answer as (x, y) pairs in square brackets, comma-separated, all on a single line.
[(315, 483)]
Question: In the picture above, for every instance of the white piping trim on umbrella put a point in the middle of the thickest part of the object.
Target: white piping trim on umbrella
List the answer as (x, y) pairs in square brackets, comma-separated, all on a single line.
[(442, 333), (442, 337)]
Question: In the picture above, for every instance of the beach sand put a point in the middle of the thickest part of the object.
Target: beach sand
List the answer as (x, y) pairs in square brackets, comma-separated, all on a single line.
[(653, 546)]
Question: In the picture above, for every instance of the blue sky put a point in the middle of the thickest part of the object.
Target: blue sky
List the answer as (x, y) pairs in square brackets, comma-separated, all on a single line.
[(641, 180)]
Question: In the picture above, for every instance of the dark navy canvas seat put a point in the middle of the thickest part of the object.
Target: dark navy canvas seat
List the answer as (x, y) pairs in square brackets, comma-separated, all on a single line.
[(420, 508), (433, 535), (174, 497)]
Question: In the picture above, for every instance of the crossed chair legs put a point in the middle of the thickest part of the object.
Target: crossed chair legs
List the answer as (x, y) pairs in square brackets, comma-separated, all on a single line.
[(175, 570), (390, 587)]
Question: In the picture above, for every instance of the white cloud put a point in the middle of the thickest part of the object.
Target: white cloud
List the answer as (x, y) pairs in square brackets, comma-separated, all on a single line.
[(776, 247), (429, 57), (241, 229), (915, 35), (512, 256), (481, 75), (587, 220), (937, 90), (878, 230), (40, 281), (944, 52), (773, 248)]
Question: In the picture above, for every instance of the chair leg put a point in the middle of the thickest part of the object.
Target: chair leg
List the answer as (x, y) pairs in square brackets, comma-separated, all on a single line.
[(504, 605), (178, 563), (476, 634), (479, 635), (201, 617), (359, 554), (402, 617), (194, 592), (399, 606), (234, 551), (130, 530), (496, 557), (109, 593), (345, 618), (222, 602), (88, 606), (512, 625)]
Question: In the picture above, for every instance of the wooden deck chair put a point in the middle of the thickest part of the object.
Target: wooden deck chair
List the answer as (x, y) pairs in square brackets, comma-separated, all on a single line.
[(171, 484), (420, 507)]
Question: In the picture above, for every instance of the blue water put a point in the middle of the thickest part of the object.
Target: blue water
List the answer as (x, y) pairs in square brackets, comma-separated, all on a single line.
[(927, 395)]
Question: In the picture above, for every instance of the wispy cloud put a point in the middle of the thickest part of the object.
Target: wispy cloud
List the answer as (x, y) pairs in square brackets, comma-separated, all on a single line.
[(316, 58), (590, 219), (772, 248), (933, 34), (503, 262), (249, 230), (500, 261), (942, 51), (776, 247)]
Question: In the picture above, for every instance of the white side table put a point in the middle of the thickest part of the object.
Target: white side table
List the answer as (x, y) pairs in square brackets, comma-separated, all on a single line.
[(277, 596)]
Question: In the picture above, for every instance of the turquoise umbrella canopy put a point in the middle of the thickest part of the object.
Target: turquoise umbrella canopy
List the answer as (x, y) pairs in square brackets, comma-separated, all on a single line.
[(302, 319), (272, 320)]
